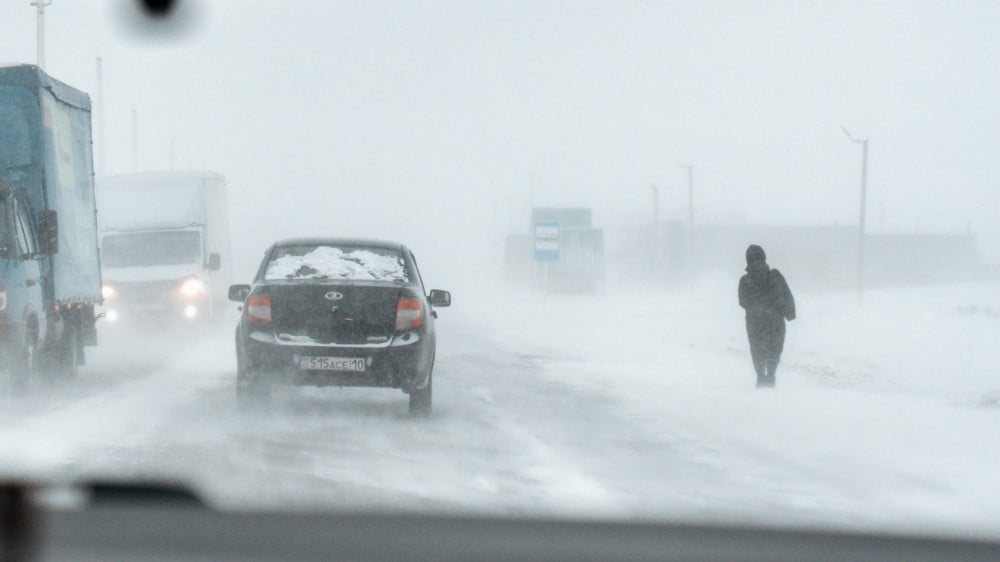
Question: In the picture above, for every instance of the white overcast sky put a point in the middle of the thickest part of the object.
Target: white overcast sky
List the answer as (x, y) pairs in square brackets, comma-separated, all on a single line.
[(379, 118)]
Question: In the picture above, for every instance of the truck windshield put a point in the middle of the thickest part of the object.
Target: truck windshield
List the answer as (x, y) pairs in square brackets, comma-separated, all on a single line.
[(142, 249)]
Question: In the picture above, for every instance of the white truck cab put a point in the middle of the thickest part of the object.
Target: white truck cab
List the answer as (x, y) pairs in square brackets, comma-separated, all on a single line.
[(165, 245)]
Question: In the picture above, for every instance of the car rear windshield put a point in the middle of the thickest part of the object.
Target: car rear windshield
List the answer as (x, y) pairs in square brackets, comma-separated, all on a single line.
[(346, 263)]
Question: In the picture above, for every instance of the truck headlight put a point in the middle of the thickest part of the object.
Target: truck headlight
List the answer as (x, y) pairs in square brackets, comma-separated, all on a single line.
[(108, 291), (193, 287)]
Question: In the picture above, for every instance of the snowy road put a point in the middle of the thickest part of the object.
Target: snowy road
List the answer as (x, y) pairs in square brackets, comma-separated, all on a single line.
[(538, 410)]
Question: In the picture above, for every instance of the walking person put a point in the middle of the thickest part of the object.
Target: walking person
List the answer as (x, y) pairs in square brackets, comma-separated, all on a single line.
[(768, 302)]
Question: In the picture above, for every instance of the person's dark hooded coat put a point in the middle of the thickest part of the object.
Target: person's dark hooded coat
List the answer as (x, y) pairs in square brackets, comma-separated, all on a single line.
[(768, 302)]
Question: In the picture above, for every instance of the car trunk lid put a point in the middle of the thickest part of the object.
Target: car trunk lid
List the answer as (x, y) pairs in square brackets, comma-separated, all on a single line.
[(350, 314)]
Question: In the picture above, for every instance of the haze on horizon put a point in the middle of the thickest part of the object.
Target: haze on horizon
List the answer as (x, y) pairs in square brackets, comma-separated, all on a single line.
[(442, 123)]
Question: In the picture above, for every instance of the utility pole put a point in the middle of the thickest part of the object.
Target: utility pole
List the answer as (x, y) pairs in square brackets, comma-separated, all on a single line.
[(656, 207), (690, 261), (690, 169), (534, 186), (40, 29), (101, 147), (861, 218), (135, 142)]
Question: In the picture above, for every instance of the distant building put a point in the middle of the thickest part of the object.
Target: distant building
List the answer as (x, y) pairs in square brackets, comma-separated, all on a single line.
[(819, 256), (580, 264)]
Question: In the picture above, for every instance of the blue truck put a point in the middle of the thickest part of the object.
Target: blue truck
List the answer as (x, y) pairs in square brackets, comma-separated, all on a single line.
[(50, 271)]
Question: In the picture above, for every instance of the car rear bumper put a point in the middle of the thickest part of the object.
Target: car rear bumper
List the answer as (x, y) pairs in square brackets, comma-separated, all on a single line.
[(396, 364)]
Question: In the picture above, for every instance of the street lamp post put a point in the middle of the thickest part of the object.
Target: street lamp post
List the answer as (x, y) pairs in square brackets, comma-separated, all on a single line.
[(656, 207), (40, 29), (861, 218), (101, 155), (690, 242), (690, 169)]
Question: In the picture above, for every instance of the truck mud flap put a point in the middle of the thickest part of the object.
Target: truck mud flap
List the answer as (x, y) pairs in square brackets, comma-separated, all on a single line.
[(88, 326)]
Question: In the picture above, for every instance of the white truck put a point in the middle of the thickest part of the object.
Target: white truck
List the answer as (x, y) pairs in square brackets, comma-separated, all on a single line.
[(165, 249)]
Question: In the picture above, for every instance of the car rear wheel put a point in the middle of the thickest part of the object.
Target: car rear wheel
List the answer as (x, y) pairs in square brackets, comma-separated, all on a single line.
[(252, 391), (250, 387), (422, 400)]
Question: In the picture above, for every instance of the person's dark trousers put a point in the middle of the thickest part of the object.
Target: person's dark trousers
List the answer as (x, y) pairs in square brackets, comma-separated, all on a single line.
[(767, 339), (759, 364), (772, 366), (766, 368)]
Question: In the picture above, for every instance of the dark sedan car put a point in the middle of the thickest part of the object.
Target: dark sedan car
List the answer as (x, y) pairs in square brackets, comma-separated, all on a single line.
[(340, 312)]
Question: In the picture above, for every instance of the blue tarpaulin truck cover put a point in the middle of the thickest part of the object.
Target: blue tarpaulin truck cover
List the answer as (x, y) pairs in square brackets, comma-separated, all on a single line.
[(46, 149)]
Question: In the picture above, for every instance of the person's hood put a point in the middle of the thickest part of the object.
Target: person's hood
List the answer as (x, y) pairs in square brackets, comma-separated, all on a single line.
[(755, 254), (756, 259)]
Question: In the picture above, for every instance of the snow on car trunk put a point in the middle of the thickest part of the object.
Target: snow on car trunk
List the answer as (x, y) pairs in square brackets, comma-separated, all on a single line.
[(329, 262)]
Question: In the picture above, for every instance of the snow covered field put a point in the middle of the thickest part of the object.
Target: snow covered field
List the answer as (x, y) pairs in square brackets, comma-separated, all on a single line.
[(884, 414), (622, 405)]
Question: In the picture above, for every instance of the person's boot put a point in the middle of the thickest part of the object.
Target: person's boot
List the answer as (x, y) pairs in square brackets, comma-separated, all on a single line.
[(761, 381), (769, 377)]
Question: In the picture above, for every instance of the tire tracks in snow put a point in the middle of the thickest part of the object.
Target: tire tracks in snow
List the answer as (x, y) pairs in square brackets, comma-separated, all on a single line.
[(130, 391)]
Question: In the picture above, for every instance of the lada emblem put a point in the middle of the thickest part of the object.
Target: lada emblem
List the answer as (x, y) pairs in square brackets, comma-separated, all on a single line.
[(333, 296)]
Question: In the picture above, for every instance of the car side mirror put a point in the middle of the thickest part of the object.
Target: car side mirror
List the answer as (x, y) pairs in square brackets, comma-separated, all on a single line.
[(239, 293), (48, 232), (440, 298), (214, 261)]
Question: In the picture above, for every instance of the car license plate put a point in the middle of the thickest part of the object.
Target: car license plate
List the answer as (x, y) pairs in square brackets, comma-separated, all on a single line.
[(333, 363)]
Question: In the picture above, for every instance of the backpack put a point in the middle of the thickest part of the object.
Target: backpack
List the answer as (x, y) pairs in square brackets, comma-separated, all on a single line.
[(782, 295)]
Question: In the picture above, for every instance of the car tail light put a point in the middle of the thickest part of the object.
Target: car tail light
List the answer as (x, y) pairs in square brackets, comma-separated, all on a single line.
[(259, 310), (409, 313)]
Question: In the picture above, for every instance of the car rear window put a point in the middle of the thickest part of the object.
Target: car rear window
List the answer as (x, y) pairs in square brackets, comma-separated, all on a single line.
[(349, 263)]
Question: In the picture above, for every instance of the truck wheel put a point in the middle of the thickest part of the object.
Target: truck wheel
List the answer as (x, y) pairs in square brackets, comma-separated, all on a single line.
[(18, 362), (66, 362), (15, 363), (22, 364), (422, 401)]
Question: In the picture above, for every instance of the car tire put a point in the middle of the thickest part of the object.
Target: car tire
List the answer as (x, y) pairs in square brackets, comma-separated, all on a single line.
[(422, 400), (250, 387), (249, 393), (243, 382)]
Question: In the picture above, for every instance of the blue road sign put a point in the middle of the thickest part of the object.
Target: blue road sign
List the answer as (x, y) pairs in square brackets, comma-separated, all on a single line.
[(546, 241)]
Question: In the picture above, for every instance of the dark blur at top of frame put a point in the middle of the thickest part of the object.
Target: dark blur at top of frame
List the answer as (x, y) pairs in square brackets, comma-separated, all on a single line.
[(159, 20)]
